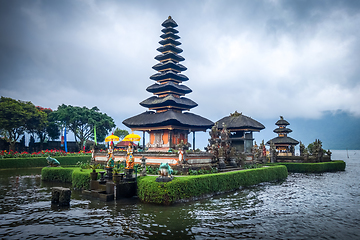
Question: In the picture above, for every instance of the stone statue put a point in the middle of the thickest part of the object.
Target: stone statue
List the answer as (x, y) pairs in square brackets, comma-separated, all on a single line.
[(165, 173), (329, 153), (52, 162), (302, 149), (273, 152), (110, 163), (129, 158), (292, 150), (219, 145), (318, 151)]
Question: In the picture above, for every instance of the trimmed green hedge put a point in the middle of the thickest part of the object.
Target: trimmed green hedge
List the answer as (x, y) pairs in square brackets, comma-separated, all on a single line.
[(195, 186), (56, 174), (40, 162), (337, 165), (80, 178)]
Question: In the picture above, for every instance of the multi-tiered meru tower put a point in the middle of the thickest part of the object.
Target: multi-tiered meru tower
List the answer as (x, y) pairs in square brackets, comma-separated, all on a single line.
[(166, 123), (284, 144)]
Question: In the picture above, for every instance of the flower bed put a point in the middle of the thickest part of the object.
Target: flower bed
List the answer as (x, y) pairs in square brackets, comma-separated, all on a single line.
[(43, 153), (41, 161)]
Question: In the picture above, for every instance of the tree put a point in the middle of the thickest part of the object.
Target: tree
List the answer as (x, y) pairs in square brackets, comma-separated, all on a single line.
[(53, 130), (49, 129), (120, 133), (82, 120), (16, 117)]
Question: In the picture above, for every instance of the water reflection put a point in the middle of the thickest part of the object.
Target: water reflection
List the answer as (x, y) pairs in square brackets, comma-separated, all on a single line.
[(302, 207)]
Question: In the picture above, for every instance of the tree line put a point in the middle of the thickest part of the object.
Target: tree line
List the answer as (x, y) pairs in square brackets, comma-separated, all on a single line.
[(19, 117)]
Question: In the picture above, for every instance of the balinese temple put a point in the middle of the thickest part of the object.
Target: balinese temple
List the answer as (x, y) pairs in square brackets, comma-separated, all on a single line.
[(282, 142), (167, 121), (241, 128)]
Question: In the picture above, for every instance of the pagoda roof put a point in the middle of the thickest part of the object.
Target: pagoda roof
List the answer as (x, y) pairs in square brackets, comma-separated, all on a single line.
[(283, 140), (170, 41), (169, 74), (169, 23), (282, 121), (152, 119), (169, 64), (239, 122), (282, 130), (169, 55), (169, 100), (169, 86), (169, 47), (169, 35), (169, 29)]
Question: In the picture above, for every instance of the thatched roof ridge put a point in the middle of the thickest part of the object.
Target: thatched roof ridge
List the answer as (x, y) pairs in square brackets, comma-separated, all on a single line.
[(170, 117), (238, 121)]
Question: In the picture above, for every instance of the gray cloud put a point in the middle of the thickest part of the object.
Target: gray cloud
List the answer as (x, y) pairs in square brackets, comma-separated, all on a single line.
[(263, 58)]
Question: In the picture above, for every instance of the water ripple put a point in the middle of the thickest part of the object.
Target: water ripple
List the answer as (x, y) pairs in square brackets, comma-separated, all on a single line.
[(305, 206)]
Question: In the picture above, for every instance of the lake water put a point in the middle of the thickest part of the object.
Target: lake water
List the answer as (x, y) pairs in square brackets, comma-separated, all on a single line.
[(304, 206)]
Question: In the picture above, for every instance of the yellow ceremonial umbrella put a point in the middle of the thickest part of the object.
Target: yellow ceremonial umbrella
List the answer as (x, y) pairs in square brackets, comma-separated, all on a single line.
[(112, 137), (132, 137)]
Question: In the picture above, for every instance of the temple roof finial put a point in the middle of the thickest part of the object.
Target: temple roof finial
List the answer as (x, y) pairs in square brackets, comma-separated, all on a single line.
[(169, 17)]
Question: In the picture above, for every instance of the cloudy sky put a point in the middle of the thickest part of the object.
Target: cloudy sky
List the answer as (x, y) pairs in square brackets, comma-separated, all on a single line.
[(298, 59)]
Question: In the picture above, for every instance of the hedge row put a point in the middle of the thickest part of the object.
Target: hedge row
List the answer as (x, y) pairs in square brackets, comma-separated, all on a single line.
[(195, 186), (40, 161), (80, 178), (337, 165)]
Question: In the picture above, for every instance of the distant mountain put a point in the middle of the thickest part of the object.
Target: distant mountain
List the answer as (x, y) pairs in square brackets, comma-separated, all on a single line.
[(338, 131)]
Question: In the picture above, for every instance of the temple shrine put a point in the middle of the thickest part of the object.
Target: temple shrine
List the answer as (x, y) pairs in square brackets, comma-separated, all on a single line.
[(166, 122), (284, 144), (241, 128)]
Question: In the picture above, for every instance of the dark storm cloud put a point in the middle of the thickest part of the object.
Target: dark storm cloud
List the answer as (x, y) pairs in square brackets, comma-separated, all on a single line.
[(250, 56)]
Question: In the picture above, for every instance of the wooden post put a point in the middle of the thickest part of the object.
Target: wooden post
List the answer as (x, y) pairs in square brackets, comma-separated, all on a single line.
[(194, 140), (170, 139), (143, 140)]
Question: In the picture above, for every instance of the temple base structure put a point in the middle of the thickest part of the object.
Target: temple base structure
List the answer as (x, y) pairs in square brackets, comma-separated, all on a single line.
[(189, 160)]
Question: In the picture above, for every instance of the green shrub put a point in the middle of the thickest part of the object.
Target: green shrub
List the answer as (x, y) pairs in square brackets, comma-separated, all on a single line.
[(56, 174), (80, 178), (194, 186), (41, 161), (321, 167)]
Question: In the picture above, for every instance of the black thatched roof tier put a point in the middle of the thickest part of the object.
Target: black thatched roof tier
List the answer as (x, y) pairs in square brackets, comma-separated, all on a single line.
[(282, 122), (169, 35), (169, 100), (283, 140), (169, 23), (169, 65), (239, 122), (282, 130), (152, 119), (169, 29), (170, 41), (169, 86), (169, 75), (170, 56), (169, 47)]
